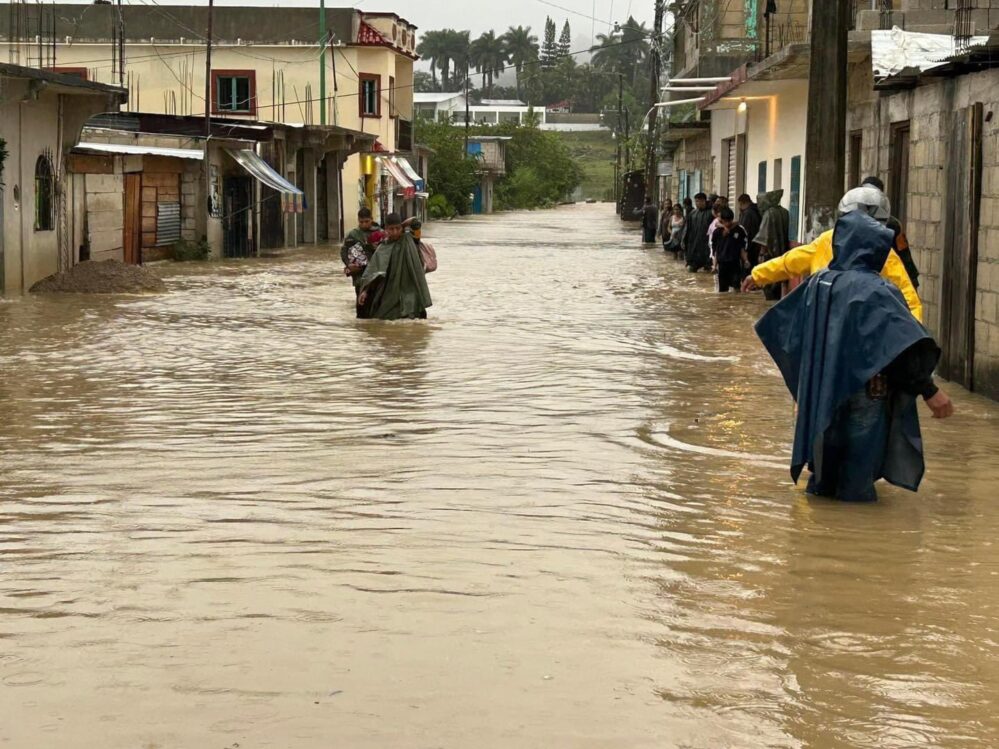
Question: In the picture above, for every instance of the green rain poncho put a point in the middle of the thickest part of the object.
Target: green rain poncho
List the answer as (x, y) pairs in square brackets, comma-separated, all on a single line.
[(396, 282)]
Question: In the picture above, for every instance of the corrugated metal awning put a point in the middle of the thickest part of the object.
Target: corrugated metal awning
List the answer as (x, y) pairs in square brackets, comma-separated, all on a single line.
[(116, 148), (413, 175), (398, 174), (292, 198)]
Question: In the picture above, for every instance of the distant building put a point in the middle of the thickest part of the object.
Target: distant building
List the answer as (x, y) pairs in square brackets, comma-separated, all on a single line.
[(440, 107), (561, 107), (490, 151)]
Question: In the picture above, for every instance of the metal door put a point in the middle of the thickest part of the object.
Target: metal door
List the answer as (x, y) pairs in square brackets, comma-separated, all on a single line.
[(794, 208)]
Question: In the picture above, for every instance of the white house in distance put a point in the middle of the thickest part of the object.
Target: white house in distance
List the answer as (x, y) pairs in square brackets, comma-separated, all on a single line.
[(440, 107)]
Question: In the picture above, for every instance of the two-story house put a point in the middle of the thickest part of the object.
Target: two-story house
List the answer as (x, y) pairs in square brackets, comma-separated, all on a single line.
[(268, 65)]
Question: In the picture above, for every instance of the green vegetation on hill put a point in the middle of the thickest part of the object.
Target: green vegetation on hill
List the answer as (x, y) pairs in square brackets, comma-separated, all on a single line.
[(594, 153)]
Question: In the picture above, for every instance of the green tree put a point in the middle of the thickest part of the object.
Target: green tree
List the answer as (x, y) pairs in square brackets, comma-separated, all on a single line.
[(521, 49), (623, 52), (565, 41), (540, 169), (549, 49), (433, 47), (424, 83), (452, 172), (458, 45), (488, 54)]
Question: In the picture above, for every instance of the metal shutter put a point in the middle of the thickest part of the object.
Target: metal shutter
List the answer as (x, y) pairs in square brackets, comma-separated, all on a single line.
[(167, 223)]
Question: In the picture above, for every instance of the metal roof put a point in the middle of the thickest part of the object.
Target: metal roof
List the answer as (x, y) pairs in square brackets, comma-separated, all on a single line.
[(60, 79), (193, 154)]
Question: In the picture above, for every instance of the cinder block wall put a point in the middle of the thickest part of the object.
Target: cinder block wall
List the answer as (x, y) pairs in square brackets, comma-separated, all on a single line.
[(928, 110), (692, 155)]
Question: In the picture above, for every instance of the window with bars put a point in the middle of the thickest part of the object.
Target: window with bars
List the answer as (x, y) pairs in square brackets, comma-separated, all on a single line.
[(234, 91)]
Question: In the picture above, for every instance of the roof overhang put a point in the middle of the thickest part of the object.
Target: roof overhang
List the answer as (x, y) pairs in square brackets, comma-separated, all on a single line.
[(684, 130), (62, 82)]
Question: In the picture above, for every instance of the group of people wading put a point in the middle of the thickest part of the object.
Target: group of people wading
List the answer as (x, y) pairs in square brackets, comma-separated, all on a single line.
[(388, 267), (848, 340)]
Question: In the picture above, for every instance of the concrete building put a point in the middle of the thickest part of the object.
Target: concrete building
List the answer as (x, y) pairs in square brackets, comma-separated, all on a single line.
[(266, 65), (929, 135), (41, 116), (501, 111), (440, 107), (490, 151), (144, 175)]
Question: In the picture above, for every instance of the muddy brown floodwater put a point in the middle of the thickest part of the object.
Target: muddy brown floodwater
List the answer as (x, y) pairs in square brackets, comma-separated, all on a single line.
[(555, 515)]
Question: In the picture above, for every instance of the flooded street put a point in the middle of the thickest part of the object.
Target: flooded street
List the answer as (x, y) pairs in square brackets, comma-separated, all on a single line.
[(557, 514)]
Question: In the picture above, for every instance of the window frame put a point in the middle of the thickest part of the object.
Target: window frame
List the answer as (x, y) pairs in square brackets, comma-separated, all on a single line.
[(251, 75), (363, 78), (82, 73), (393, 110)]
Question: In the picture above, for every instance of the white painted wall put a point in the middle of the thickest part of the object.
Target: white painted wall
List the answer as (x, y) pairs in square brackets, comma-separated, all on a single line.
[(775, 127)]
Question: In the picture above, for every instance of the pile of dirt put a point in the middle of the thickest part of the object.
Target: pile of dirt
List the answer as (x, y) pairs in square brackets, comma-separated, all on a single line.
[(103, 277)]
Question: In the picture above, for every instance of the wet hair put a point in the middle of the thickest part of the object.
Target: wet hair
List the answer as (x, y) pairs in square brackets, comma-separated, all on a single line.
[(700, 196), (726, 214), (874, 182), (415, 225), (688, 202), (364, 213), (393, 219), (744, 198), (677, 208), (648, 200)]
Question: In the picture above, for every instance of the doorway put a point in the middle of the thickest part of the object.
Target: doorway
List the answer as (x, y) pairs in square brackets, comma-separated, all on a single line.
[(322, 202), (899, 187), (132, 232), (959, 277), (237, 217)]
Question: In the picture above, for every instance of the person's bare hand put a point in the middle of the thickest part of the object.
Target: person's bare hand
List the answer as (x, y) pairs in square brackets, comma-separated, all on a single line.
[(362, 299), (941, 405), (749, 284)]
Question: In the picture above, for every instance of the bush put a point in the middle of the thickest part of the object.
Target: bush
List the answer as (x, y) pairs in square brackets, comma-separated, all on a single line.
[(452, 174), (540, 169), (439, 207), (186, 250)]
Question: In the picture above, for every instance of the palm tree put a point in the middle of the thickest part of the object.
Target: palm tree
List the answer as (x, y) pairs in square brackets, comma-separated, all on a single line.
[(490, 57), (521, 49), (432, 47), (458, 48), (623, 52)]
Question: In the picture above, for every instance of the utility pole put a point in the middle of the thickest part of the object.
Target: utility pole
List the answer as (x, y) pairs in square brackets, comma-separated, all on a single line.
[(825, 144), (207, 172), (322, 62), (620, 133), (627, 141), (657, 68), (121, 46), (467, 123)]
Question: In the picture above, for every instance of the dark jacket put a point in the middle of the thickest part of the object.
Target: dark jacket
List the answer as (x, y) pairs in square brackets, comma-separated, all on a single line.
[(729, 247), (750, 220), (696, 238), (840, 329)]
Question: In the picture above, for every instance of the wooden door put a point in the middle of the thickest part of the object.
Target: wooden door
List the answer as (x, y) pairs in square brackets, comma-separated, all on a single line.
[(960, 262), (132, 239)]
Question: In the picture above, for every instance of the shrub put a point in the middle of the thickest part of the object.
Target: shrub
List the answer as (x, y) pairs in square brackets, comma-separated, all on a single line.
[(186, 250), (439, 207)]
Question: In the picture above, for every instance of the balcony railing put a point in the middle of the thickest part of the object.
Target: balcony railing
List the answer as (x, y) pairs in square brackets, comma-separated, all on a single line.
[(780, 31)]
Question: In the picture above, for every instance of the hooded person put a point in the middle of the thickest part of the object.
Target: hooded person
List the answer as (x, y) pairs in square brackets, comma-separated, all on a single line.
[(813, 257), (394, 284), (855, 360), (698, 252), (773, 237)]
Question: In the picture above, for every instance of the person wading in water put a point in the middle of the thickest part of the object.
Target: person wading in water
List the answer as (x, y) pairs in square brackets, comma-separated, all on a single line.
[(855, 359), (394, 285)]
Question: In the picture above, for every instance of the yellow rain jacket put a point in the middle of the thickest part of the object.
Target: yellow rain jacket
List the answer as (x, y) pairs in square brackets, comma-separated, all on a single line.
[(811, 258)]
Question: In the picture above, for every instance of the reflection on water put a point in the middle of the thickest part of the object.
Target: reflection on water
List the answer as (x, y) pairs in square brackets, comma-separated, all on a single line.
[(556, 514)]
